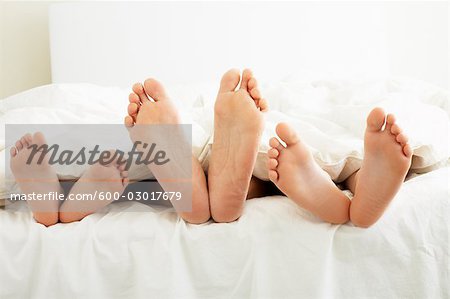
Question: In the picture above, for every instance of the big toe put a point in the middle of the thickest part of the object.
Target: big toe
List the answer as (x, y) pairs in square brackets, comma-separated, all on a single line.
[(229, 81), (39, 139), (287, 134), (375, 120), (155, 90)]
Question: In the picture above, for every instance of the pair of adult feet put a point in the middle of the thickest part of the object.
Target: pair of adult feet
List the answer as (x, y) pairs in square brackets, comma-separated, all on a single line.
[(238, 125)]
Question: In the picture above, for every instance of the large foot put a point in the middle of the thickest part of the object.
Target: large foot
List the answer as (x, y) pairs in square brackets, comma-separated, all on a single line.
[(36, 177), (238, 125), (387, 158), (294, 171), (96, 188), (151, 105)]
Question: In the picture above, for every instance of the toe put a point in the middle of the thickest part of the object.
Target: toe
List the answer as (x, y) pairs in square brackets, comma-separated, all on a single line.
[(133, 109), (375, 120), (275, 143), (407, 151), (273, 175), (134, 98), (24, 142), (287, 133), (395, 129), (272, 163), (139, 90), (263, 105), (29, 138), (230, 81), (39, 139), (252, 83), (246, 76), (129, 122), (155, 90), (256, 94), (390, 121), (19, 145), (402, 139), (13, 151), (273, 153), (122, 161), (124, 174), (125, 182)]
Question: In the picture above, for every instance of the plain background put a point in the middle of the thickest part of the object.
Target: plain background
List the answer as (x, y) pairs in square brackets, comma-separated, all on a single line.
[(417, 35), (24, 46)]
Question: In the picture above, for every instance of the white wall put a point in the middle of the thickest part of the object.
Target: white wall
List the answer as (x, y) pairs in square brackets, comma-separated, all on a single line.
[(24, 46), (418, 39), (185, 41), (190, 42), (417, 35)]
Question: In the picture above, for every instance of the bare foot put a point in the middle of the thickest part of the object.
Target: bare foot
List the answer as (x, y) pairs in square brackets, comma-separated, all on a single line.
[(151, 105), (39, 178), (96, 188), (238, 125), (295, 172), (387, 158)]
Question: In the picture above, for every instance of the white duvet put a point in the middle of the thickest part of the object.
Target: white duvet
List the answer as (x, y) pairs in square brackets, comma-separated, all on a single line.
[(329, 116)]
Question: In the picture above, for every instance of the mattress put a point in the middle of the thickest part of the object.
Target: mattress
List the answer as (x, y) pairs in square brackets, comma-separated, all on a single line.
[(275, 250)]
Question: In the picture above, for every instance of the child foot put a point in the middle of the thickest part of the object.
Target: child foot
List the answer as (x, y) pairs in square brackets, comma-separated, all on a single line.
[(294, 171), (96, 188), (37, 177), (238, 125), (387, 158)]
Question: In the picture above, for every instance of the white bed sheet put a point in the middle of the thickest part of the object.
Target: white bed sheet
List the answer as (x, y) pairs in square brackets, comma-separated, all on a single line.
[(275, 250)]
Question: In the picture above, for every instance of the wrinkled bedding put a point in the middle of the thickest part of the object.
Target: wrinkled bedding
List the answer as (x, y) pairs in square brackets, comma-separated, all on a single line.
[(275, 250), (328, 114)]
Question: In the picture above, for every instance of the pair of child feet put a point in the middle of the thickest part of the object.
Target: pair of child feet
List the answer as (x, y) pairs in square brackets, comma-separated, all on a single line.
[(39, 178), (238, 125)]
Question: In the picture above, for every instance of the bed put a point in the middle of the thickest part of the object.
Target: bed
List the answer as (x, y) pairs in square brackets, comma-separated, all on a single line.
[(276, 249)]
